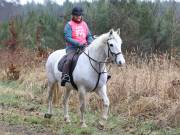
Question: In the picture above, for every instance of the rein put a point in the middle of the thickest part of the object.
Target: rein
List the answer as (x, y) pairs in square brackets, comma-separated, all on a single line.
[(101, 62)]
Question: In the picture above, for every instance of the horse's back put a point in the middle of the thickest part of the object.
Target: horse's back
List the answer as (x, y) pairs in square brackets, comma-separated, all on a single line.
[(55, 55), (52, 62)]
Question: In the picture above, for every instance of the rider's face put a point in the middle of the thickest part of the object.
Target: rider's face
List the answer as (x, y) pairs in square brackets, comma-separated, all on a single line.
[(77, 18)]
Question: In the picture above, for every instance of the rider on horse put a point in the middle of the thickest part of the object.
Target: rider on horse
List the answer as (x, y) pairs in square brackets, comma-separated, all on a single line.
[(77, 35)]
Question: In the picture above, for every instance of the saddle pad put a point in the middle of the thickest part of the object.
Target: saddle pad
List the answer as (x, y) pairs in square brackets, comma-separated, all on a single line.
[(61, 63)]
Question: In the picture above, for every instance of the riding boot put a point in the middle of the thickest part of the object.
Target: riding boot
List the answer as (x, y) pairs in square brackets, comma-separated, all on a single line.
[(65, 74)]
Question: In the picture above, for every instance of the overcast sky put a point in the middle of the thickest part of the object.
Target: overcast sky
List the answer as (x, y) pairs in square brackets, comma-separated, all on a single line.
[(41, 1), (57, 1)]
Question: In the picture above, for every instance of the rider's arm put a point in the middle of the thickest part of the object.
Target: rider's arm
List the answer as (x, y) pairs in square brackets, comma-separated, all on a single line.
[(68, 35), (89, 37)]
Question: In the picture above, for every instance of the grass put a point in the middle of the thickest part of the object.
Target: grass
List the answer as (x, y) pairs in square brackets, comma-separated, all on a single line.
[(19, 114), (17, 110), (141, 94), (9, 84)]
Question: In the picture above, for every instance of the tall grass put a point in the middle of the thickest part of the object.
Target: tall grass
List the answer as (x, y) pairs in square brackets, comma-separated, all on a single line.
[(148, 87)]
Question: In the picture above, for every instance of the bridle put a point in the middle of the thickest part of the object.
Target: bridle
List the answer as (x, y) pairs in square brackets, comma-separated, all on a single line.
[(101, 62), (110, 51)]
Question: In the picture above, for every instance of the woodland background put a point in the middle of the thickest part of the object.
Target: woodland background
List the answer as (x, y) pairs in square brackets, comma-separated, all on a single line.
[(145, 26), (144, 94)]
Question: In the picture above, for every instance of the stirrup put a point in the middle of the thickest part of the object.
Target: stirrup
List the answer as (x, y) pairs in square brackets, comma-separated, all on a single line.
[(66, 76), (65, 79)]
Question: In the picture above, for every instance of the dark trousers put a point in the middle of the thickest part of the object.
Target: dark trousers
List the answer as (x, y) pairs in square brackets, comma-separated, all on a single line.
[(67, 64)]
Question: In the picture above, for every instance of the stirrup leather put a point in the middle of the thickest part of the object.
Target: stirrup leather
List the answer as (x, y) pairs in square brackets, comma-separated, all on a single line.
[(66, 78)]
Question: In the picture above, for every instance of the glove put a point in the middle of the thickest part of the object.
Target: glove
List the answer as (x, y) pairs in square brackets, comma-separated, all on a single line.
[(85, 44), (82, 46)]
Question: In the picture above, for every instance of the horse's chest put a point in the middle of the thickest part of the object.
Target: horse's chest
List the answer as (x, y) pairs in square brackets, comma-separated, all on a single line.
[(92, 80), (84, 75)]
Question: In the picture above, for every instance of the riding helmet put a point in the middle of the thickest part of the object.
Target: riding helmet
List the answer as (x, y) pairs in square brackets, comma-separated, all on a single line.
[(78, 11)]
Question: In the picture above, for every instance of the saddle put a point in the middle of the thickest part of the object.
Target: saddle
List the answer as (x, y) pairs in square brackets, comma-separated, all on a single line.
[(72, 66)]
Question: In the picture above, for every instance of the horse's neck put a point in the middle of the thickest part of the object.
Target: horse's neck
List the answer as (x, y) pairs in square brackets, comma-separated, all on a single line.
[(97, 52), (97, 49)]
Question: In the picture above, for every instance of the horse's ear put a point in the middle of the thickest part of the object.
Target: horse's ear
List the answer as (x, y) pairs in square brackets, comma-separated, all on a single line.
[(111, 31), (95, 36), (118, 31)]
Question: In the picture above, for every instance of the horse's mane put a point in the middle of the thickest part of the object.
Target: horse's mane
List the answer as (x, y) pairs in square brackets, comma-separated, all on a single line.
[(99, 41)]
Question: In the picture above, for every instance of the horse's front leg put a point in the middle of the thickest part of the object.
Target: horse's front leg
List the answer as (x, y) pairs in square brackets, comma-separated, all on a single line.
[(65, 103), (102, 92), (82, 99)]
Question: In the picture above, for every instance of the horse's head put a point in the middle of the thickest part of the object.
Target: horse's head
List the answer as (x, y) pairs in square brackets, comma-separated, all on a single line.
[(113, 49)]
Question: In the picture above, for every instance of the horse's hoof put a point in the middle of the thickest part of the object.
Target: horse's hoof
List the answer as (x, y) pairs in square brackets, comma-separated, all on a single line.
[(47, 115), (83, 125), (100, 125), (104, 117), (67, 120)]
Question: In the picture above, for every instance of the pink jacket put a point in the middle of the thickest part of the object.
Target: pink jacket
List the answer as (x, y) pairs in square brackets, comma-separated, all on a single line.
[(79, 31)]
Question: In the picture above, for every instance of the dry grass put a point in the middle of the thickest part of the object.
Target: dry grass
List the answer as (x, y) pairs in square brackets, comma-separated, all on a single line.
[(144, 88)]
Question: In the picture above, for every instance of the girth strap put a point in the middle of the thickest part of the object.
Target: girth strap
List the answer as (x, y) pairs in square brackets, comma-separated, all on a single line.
[(99, 73)]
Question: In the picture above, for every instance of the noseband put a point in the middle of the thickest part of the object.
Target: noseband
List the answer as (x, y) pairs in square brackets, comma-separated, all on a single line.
[(110, 51)]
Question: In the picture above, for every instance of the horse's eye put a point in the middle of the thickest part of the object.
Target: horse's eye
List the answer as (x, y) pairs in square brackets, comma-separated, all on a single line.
[(111, 45)]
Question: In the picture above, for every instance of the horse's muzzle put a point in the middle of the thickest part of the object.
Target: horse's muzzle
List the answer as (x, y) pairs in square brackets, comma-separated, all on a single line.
[(120, 63)]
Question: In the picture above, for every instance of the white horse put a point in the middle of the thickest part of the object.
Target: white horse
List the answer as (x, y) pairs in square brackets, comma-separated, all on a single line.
[(90, 72)]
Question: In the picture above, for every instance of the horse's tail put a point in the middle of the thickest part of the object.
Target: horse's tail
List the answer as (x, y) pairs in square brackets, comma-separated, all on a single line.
[(50, 70), (56, 93)]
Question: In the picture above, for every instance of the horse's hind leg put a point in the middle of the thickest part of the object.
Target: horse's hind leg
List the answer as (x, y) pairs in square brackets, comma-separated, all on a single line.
[(102, 92), (50, 93), (65, 103)]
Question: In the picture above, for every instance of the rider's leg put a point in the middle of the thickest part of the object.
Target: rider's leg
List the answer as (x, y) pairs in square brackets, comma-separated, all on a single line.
[(66, 68), (65, 74)]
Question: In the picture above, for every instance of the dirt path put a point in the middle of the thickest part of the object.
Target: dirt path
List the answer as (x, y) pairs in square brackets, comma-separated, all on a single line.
[(6, 129)]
